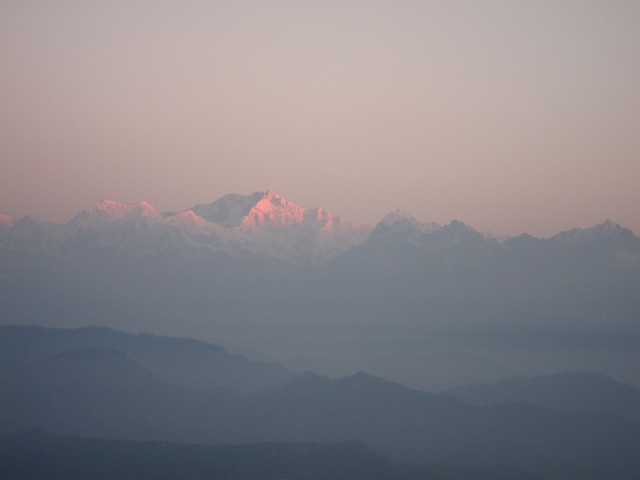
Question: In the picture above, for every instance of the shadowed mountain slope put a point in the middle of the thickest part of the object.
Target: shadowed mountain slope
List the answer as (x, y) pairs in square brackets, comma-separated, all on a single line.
[(180, 361), (104, 393), (35, 455), (566, 392)]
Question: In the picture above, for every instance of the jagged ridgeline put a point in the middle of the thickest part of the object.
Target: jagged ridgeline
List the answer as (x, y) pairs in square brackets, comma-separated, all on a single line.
[(316, 291)]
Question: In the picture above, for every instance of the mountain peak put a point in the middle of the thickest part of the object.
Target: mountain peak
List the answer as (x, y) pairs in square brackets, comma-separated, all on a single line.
[(265, 209), (229, 211), (110, 206), (187, 218), (462, 228), (265, 221), (608, 226), (144, 209), (274, 211), (401, 222), (605, 229), (395, 217), (109, 210)]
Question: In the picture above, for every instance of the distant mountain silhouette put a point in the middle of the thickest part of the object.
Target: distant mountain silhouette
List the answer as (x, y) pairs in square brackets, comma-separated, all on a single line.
[(36, 455), (180, 361), (567, 392), (433, 306), (104, 393), (96, 392), (418, 427)]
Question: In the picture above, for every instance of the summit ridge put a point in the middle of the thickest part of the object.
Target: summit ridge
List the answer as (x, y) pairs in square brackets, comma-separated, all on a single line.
[(263, 224)]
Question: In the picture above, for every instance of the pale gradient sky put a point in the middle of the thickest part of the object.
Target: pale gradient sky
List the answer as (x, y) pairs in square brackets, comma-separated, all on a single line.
[(508, 115)]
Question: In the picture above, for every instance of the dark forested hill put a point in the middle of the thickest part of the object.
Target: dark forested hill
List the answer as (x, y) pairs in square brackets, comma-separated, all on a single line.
[(36, 455), (96, 392)]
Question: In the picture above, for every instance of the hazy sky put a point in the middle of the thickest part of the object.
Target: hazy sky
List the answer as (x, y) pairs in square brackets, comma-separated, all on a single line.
[(508, 115)]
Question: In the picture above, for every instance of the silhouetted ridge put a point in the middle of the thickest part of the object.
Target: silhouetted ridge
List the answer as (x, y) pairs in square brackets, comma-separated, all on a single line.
[(36, 455), (182, 361), (103, 393), (567, 392)]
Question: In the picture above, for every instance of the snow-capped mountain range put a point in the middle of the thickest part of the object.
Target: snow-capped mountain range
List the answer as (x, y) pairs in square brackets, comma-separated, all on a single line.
[(258, 268), (261, 224)]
